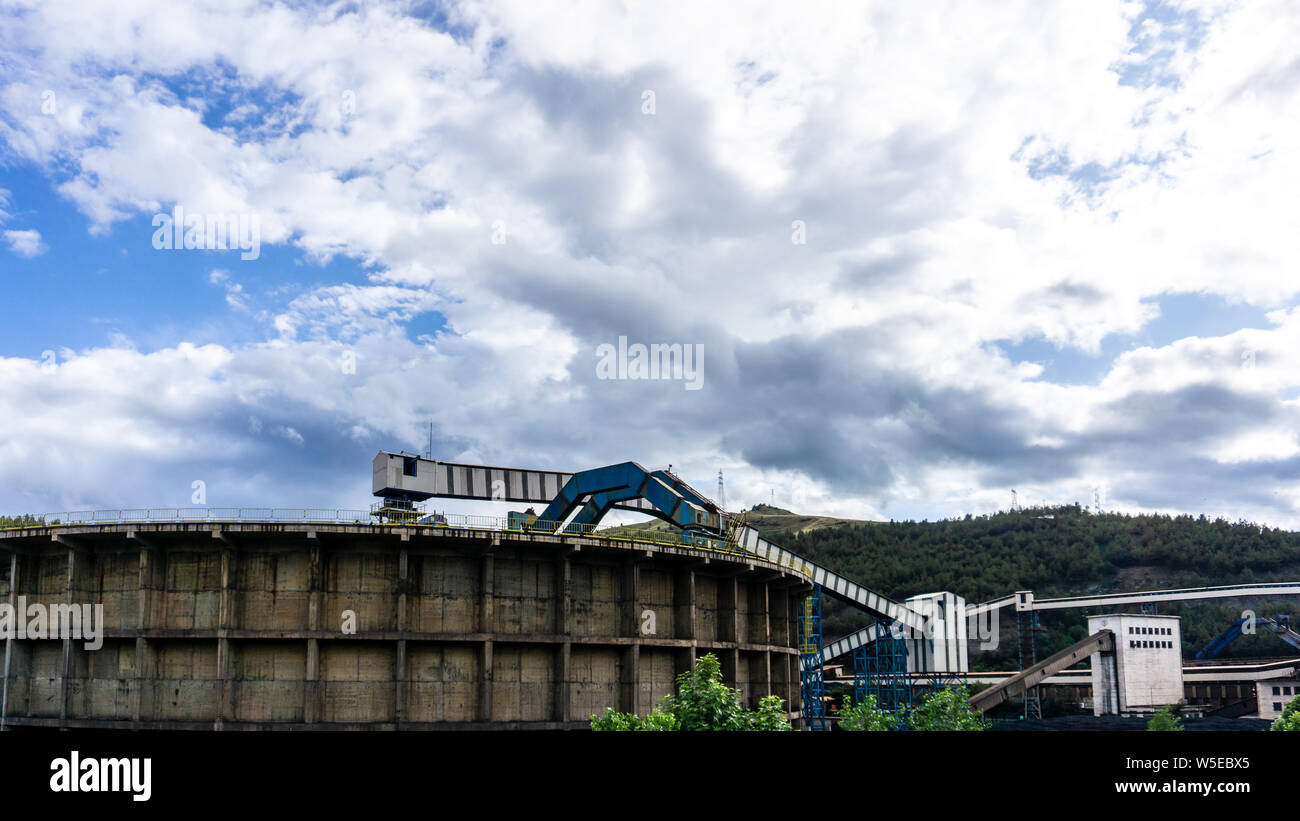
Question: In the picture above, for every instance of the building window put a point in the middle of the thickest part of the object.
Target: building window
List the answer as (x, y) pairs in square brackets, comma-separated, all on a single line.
[(1277, 706), (1286, 691), (409, 465), (1277, 691)]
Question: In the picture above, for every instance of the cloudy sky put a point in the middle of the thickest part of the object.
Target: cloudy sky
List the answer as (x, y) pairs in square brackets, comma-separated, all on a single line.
[(932, 252)]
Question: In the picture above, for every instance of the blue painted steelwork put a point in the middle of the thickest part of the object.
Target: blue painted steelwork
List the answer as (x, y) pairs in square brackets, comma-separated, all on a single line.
[(880, 670), (812, 685), (593, 493), (1281, 627)]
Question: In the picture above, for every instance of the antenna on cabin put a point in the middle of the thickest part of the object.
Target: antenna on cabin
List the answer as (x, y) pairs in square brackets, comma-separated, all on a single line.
[(430, 454)]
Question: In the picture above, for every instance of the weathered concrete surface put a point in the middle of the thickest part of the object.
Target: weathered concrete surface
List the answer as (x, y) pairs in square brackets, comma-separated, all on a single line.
[(241, 626)]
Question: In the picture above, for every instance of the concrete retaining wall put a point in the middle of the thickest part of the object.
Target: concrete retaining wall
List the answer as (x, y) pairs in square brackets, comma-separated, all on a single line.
[(241, 626)]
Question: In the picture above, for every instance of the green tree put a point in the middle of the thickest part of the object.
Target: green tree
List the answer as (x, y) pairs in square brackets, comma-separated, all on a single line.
[(703, 702), (614, 721), (1289, 721), (949, 709), (770, 715), (1166, 719), (657, 721), (866, 716)]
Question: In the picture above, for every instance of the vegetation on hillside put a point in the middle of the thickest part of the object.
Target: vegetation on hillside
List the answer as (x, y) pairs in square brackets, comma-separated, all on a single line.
[(1058, 551), (19, 521)]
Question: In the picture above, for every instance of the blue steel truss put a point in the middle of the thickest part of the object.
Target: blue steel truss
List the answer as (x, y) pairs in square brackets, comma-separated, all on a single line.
[(880, 670), (812, 684), (1281, 627), (593, 493)]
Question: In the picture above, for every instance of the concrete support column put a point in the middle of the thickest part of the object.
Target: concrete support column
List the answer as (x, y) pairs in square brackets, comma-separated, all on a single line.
[(630, 617), (563, 652), (9, 640), (399, 669), (76, 566), (150, 579), (729, 628), (630, 626), (225, 623), (630, 679), (684, 618), (729, 593), (311, 700), (762, 616), (793, 699), (487, 588), (485, 683), (399, 686), (684, 605)]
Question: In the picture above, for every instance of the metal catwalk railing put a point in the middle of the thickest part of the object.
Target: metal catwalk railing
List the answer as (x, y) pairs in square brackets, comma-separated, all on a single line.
[(391, 517)]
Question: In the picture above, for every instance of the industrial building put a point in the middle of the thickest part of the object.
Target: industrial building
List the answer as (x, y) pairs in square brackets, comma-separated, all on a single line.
[(1144, 671), (241, 625), (398, 618), (1273, 696)]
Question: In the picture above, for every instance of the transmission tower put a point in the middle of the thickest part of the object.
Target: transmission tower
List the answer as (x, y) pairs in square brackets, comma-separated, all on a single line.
[(722, 493)]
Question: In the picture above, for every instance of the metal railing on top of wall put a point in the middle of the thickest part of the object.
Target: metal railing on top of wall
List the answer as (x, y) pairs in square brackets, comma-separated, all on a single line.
[(197, 515)]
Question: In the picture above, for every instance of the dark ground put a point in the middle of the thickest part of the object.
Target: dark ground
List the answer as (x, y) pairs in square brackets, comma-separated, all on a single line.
[(1115, 723)]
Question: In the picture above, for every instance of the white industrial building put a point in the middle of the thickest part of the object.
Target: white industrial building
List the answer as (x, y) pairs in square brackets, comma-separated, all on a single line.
[(1145, 671), (944, 650), (1272, 696)]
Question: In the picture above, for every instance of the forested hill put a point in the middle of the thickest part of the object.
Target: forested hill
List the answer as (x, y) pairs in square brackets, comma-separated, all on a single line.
[(1052, 551), (1061, 551)]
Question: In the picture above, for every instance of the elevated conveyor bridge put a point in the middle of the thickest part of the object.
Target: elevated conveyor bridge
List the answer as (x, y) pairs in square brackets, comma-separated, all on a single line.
[(935, 624)]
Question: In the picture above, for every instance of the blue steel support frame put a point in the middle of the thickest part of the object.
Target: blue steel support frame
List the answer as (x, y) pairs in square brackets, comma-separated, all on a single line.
[(812, 685), (880, 670), (596, 492), (1280, 627)]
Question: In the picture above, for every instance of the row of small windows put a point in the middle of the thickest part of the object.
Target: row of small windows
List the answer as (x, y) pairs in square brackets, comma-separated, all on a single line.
[(1151, 631), (1150, 643), (1284, 691)]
